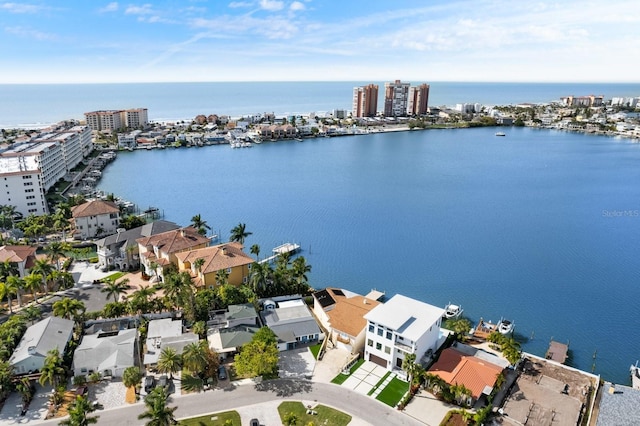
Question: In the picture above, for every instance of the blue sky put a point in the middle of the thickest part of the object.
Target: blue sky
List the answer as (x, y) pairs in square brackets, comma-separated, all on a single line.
[(78, 41)]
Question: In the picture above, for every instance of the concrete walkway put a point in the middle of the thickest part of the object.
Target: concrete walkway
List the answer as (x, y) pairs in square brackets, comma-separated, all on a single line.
[(365, 377)]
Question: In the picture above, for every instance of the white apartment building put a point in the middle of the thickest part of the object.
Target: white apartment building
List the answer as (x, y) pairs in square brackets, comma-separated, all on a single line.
[(400, 327), (28, 170), (104, 120), (136, 118), (396, 98)]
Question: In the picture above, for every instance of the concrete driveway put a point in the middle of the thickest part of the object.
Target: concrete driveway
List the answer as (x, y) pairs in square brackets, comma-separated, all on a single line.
[(296, 363), (365, 377), (428, 409)]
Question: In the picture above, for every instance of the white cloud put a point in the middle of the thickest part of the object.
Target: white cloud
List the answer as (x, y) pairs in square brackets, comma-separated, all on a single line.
[(271, 5), (20, 8), (145, 9), (296, 5), (30, 33), (237, 4), (111, 7)]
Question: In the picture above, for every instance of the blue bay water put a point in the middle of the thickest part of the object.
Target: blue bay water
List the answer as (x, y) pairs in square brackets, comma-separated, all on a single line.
[(41, 104), (541, 227)]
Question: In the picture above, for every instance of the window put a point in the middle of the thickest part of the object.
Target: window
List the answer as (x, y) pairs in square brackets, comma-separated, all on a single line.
[(369, 342), (228, 270), (380, 331), (245, 280), (378, 346), (371, 328), (389, 335), (387, 350)]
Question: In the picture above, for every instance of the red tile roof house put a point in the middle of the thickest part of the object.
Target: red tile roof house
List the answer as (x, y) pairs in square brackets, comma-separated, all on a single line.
[(159, 251), (95, 218), (22, 257), (477, 374)]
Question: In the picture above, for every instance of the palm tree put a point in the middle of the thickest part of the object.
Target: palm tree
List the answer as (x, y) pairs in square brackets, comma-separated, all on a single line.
[(17, 284), (32, 282), (169, 361), (194, 356), (201, 225), (31, 313), (79, 413), (53, 369), (239, 233), (56, 250), (139, 300), (7, 268), (191, 383), (409, 366), (222, 277), (131, 376), (158, 413), (198, 264), (255, 249), (116, 288), (7, 291), (259, 278), (199, 328), (44, 268), (68, 308)]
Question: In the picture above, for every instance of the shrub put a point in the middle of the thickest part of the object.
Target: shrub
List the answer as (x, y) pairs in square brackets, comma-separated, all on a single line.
[(93, 259)]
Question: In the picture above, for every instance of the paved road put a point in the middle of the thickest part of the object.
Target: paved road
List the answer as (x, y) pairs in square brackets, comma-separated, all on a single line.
[(355, 404)]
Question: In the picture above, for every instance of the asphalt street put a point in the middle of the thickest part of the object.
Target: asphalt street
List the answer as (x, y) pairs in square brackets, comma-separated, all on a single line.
[(359, 406)]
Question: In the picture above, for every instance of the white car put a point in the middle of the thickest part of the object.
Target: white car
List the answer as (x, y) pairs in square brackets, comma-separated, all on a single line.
[(86, 286)]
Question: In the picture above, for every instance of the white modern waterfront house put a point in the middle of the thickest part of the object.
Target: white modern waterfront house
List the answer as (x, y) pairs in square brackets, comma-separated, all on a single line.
[(400, 327)]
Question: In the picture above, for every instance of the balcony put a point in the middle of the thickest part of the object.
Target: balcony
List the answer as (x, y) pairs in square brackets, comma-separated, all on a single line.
[(404, 347)]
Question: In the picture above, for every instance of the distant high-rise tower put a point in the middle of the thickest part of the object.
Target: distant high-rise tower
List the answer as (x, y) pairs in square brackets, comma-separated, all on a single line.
[(418, 100), (396, 95), (365, 101)]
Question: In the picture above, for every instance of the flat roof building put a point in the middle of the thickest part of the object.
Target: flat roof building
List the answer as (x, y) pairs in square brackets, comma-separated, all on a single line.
[(365, 101)]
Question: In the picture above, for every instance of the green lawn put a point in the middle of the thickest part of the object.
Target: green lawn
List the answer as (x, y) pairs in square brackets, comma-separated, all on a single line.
[(325, 416), (393, 392), (315, 350), (114, 276), (373, 389), (220, 418), (340, 378)]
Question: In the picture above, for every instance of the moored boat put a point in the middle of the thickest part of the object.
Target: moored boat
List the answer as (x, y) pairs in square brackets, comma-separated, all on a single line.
[(501, 134), (505, 326), (452, 311), (635, 376)]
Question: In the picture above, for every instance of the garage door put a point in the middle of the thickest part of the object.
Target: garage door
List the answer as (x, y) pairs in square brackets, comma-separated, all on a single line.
[(378, 360)]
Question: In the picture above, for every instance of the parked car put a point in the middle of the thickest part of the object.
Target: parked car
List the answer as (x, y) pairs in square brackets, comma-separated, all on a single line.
[(163, 381), (222, 373), (254, 422), (149, 383)]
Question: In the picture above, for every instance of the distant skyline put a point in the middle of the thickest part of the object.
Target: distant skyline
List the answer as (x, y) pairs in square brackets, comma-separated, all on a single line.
[(311, 40)]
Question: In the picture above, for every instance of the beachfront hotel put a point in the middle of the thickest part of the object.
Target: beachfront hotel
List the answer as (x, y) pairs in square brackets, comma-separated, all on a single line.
[(365, 101), (396, 98), (418, 100), (117, 119), (30, 168)]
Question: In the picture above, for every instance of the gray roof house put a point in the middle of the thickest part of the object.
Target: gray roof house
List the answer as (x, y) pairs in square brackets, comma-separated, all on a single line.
[(121, 249), (291, 321), (163, 333), (107, 353), (40, 338), (231, 328)]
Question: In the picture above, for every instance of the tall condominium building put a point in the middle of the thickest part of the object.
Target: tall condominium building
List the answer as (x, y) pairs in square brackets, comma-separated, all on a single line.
[(418, 100), (396, 96), (365, 101), (136, 118), (29, 169), (117, 119)]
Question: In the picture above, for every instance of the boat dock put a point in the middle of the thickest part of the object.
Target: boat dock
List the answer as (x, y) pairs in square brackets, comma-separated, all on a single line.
[(557, 352), (290, 248)]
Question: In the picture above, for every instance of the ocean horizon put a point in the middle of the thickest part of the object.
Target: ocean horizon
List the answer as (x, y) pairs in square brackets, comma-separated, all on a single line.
[(38, 105)]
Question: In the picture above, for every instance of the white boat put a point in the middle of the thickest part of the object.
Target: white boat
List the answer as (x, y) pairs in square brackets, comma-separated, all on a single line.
[(452, 311), (635, 376), (505, 326), (500, 134)]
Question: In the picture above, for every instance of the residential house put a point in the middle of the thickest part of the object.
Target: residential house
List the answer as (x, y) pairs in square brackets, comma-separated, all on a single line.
[(120, 250), (20, 257), (229, 329), (227, 257), (291, 321), (159, 251), (400, 327), (40, 338), (165, 333), (95, 218), (108, 353), (476, 370), (341, 313)]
